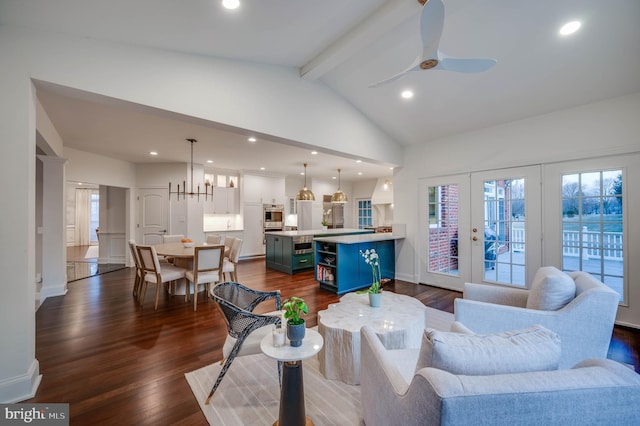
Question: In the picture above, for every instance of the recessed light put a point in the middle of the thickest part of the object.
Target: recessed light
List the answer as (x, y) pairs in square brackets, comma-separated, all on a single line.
[(407, 94), (570, 28), (262, 168), (359, 173), (231, 4), (358, 161), (333, 177), (153, 153), (251, 139), (314, 152), (209, 161)]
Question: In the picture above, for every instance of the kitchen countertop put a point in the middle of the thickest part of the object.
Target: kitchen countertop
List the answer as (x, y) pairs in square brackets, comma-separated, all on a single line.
[(320, 232), (362, 238)]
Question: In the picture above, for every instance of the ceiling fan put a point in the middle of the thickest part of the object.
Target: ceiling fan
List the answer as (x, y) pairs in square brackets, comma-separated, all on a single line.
[(431, 24)]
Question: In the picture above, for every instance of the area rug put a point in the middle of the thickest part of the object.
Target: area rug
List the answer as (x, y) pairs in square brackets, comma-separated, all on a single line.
[(250, 393)]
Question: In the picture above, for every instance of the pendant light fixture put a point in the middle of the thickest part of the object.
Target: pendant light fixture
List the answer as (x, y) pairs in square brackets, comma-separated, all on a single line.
[(339, 197), (305, 194), (208, 188)]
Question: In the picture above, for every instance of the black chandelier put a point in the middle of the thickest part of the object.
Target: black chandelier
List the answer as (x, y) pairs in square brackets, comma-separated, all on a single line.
[(208, 188)]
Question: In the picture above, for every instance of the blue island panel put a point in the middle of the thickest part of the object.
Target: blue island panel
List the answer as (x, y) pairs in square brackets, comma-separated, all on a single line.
[(341, 268)]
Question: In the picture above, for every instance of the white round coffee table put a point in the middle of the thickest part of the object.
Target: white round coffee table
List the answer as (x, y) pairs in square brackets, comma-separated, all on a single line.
[(399, 322)]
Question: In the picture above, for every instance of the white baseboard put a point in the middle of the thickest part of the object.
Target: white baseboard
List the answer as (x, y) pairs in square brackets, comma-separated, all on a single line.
[(406, 277), (21, 388), (52, 290)]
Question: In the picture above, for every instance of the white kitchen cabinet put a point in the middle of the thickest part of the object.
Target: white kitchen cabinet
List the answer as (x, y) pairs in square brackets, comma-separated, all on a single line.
[(263, 189), (226, 201), (253, 244)]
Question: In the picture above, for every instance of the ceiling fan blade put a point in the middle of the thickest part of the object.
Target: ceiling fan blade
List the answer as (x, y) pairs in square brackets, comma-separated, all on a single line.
[(465, 65), (414, 67), (431, 25)]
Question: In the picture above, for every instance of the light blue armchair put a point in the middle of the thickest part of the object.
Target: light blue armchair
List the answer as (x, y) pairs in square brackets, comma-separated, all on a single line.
[(584, 324)]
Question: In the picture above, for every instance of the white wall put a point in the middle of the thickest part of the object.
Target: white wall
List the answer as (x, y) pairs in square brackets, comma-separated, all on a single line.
[(594, 130), (312, 114)]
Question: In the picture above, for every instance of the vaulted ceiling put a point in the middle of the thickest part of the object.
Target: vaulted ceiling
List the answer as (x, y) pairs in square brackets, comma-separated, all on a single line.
[(348, 45)]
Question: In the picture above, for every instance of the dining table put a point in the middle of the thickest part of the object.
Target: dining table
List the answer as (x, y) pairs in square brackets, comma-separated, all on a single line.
[(183, 258)]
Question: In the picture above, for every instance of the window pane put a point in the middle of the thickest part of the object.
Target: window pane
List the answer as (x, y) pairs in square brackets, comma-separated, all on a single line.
[(504, 231), (443, 229), (364, 214), (592, 226)]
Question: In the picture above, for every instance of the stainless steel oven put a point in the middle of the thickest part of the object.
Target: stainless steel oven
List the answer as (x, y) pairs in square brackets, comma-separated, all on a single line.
[(302, 244), (273, 216)]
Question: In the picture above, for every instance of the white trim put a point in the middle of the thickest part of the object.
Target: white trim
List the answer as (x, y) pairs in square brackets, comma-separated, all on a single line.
[(22, 387)]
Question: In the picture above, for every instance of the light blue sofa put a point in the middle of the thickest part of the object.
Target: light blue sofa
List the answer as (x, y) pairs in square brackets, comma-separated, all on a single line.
[(584, 324), (594, 392)]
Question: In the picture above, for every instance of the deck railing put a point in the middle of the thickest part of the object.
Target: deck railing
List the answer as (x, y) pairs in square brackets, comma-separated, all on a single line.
[(591, 244), (608, 245)]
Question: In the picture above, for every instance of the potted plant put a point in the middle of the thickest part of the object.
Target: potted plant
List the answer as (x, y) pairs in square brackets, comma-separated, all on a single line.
[(375, 289), (294, 308), (324, 223)]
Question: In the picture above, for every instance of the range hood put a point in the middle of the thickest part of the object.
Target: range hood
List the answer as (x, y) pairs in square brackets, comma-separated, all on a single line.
[(383, 192)]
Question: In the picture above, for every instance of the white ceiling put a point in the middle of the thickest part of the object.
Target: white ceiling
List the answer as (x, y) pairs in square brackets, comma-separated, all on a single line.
[(347, 45)]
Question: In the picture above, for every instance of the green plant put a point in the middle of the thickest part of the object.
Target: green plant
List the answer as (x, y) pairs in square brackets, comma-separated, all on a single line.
[(371, 258), (324, 222), (294, 307)]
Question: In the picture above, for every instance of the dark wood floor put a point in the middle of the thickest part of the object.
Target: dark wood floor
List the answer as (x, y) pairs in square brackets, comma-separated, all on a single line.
[(118, 363)]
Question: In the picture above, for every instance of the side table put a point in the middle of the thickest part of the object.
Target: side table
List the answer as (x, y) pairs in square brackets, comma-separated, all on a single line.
[(292, 411)]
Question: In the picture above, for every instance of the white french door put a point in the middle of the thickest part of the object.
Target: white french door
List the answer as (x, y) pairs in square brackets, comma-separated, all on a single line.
[(480, 227), (506, 225), (445, 240)]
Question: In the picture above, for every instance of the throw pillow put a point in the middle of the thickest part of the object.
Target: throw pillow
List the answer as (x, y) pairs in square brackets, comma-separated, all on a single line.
[(550, 290), (533, 348)]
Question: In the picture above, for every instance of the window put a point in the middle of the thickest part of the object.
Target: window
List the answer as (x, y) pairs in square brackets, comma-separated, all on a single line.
[(364, 214), (592, 226), (443, 229), (95, 216)]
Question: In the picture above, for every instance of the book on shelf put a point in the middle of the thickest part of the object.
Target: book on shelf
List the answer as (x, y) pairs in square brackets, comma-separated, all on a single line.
[(324, 273)]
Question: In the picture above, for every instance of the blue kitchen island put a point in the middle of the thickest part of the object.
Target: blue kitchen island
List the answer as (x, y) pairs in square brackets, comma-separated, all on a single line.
[(293, 251), (341, 268)]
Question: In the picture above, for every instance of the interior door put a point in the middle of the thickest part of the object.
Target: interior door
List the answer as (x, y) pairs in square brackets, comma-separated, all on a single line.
[(153, 214), (506, 225)]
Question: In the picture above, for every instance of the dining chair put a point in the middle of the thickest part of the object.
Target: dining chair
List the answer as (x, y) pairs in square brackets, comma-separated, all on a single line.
[(207, 269), (245, 329), (228, 243), (230, 266), (139, 274), (214, 239), (176, 238), (156, 273)]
